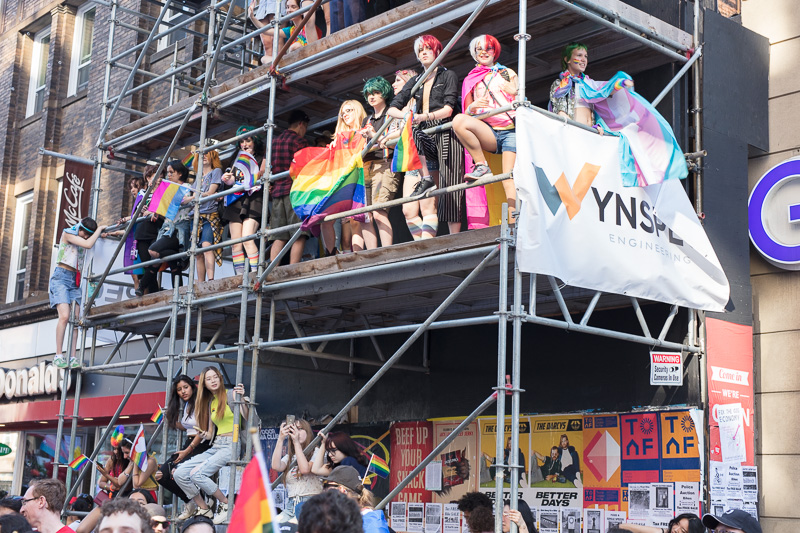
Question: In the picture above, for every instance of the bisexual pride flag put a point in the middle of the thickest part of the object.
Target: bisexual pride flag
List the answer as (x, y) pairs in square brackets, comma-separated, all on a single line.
[(328, 180), (167, 198), (406, 156)]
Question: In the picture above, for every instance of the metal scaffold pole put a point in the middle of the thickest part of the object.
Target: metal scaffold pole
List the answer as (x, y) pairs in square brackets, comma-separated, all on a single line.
[(502, 334)]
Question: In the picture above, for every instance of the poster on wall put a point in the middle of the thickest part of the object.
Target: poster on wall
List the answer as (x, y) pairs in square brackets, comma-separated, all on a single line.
[(555, 466), (640, 449), (487, 474), (459, 460), (730, 381), (601, 462), (416, 517), (593, 521), (410, 443), (398, 516), (681, 446)]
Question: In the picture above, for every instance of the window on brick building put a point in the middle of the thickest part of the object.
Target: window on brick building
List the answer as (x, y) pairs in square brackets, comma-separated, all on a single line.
[(19, 248), (173, 16), (82, 48), (38, 85)]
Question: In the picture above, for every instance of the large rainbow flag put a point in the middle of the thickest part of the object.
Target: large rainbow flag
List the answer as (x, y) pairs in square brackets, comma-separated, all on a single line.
[(167, 198), (649, 153), (406, 156), (328, 180), (254, 511)]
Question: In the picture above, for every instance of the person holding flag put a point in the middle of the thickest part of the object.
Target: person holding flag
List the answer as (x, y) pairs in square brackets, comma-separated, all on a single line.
[(488, 86), (243, 209), (142, 465)]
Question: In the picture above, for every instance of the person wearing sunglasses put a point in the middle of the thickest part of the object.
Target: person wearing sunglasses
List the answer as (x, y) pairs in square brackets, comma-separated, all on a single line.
[(158, 517), (732, 521)]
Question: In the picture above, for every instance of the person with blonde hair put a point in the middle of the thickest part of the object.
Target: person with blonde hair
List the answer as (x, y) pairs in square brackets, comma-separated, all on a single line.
[(215, 419), (209, 229), (351, 116), (301, 484)]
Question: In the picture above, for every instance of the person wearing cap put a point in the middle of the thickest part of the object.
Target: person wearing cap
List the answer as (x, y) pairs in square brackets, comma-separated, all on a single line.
[(158, 517), (732, 521), (198, 524), (243, 208), (66, 279), (284, 146), (345, 480), (330, 512)]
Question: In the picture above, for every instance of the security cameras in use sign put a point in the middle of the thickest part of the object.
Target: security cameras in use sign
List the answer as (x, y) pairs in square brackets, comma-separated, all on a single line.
[(666, 368)]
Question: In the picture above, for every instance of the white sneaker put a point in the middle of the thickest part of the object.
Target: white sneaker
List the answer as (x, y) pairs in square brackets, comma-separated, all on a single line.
[(188, 511), (222, 514)]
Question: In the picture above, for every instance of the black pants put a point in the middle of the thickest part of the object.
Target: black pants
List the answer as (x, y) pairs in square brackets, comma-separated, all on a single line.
[(166, 480), (149, 281)]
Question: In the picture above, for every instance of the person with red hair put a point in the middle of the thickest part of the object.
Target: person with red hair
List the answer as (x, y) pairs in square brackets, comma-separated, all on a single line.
[(435, 101), (488, 86)]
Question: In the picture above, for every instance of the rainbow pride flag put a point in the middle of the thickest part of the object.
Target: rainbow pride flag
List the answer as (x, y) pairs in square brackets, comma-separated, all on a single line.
[(158, 416), (328, 180), (167, 198), (79, 461), (254, 511), (379, 466), (649, 152), (117, 435), (406, 156), (139, 451), (188, 161)]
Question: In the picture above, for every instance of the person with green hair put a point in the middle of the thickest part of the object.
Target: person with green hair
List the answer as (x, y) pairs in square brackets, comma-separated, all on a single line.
[(380, 182), (243, 209)]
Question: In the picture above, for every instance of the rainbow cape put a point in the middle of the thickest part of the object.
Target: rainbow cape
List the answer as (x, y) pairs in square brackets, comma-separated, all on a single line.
[(245, 169), (139, 450), (158, 416), (649, 152), (379, 466), (167, 198), (79, 461), (328, 180), (406, 156), (116, 437), (254, 511)]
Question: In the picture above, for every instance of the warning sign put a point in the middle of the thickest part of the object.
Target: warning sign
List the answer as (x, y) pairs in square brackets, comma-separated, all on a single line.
[(666, 368)]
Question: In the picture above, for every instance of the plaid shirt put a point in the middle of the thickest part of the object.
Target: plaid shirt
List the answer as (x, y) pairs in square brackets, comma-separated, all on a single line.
[(284, 147)]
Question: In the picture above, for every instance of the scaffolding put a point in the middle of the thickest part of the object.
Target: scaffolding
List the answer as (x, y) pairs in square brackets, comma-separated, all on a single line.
[(330, 300)]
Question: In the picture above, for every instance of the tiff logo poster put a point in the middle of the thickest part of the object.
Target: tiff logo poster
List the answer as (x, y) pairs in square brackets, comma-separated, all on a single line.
[(75, 194)]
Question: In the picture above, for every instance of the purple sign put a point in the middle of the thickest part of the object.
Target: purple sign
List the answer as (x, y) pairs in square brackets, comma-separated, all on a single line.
[(772, 196)]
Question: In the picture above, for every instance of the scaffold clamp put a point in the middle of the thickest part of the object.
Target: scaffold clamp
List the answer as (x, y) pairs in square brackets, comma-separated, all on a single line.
[(521, 36)]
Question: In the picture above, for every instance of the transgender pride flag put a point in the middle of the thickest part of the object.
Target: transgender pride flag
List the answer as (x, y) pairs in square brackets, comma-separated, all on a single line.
[(649, 152)]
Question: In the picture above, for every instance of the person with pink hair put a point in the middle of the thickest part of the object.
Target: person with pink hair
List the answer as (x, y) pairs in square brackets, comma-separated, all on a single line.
[(488, 86), (435, 101)]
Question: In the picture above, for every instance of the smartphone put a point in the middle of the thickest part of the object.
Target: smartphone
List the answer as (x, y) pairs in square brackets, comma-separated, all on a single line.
[(290, 420)]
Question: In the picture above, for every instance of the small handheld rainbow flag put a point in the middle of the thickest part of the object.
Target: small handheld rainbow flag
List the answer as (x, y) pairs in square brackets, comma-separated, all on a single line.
[(116, 437), (406, 156), (188, 161), (139, 451), (379, 466), (245, 168), (167, 198), (158, 416), (79, 461)]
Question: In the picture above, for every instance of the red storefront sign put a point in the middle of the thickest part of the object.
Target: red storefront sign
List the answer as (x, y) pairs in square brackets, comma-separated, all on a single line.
[(730, 379), (411, 442)]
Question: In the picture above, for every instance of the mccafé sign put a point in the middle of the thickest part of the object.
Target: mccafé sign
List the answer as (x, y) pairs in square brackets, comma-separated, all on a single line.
[(44, 378)]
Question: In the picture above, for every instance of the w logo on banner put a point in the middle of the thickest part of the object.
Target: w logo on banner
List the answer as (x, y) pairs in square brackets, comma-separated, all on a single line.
[(561, 192)]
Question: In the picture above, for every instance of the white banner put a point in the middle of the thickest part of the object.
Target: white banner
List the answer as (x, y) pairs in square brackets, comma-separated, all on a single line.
[(580, 224)]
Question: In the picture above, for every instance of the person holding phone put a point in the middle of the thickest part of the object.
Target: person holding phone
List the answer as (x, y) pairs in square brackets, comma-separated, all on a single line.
[(340, 449), (212, 412), (301, 484)]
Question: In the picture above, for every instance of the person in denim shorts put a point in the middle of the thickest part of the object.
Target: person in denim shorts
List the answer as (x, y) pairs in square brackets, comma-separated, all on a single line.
[(487, 87), (65, 281)]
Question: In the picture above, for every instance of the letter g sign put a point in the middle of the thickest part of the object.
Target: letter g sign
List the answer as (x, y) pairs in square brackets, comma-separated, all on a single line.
[(773, 214)]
